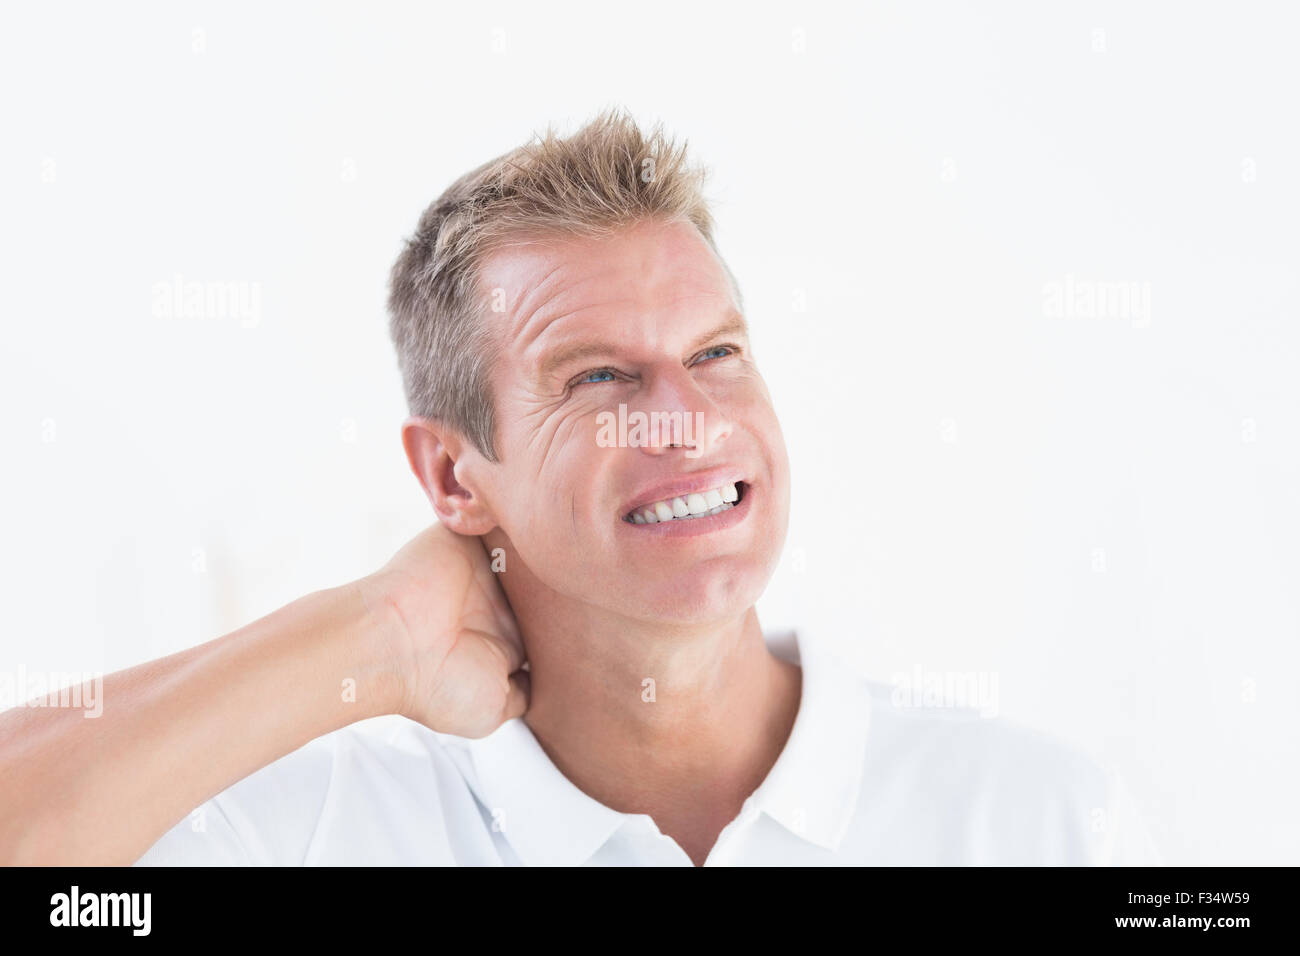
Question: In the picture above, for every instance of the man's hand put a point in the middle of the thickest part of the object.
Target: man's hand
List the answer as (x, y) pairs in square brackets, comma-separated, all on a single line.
[(456, 647)]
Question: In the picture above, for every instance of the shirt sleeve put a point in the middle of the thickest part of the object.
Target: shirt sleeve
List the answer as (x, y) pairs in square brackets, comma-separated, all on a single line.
[(204, 837), (266, 819)]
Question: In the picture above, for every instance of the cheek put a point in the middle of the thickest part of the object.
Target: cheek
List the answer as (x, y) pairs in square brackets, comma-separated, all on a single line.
[(742, 389), (550, 495), (548, 433), (775, 439), (752, 409)]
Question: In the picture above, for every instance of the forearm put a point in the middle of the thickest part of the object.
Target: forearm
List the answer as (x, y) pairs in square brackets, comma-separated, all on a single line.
[(176, 731)]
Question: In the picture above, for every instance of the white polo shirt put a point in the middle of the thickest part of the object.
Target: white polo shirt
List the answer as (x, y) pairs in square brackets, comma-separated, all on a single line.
[(861, 781)]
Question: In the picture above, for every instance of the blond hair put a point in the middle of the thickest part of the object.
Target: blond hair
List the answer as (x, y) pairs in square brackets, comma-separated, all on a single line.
[(606, 176)]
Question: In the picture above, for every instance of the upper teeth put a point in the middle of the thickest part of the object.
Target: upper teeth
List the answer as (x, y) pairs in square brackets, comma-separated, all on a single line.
[(687, 506)]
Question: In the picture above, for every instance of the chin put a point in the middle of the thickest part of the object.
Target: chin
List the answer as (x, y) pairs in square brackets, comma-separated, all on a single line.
[(705, 596)]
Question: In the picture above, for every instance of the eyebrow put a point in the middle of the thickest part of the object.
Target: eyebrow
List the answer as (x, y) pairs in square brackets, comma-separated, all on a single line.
[(735, 325)]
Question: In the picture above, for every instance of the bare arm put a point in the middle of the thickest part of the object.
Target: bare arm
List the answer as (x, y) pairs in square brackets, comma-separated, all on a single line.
[(176, 731), (181, 729)]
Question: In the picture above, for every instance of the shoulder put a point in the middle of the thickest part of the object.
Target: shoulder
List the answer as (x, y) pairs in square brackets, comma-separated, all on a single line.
[(963, 742), (294, 809), (998, 790)]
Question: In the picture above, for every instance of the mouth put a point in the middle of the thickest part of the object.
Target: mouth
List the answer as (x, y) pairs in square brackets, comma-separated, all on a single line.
[(701, 504)]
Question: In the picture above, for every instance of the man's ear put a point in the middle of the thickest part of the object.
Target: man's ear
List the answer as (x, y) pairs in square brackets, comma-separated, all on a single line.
[(443, 462)]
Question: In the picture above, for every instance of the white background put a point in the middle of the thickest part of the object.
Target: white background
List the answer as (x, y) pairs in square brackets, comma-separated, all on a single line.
[(1099, 511)]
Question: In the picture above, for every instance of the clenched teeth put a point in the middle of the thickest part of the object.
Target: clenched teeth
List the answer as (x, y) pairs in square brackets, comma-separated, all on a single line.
[(697, 505)]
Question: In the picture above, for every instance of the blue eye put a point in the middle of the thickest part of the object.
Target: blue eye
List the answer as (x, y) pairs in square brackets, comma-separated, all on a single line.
[(724, 349), (601, 375)]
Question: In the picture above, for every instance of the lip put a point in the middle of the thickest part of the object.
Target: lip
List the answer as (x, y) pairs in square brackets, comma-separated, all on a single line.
[(697, 482), (697, 526)]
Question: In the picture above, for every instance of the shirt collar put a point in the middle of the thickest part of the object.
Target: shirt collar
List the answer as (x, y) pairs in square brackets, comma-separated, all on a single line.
[(811, 790), (544, 816)]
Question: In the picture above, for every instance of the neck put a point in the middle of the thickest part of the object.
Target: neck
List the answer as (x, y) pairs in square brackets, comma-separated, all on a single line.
[(682, 724)]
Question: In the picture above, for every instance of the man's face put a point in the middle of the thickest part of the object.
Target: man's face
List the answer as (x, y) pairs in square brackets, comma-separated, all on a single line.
[(644, 320)]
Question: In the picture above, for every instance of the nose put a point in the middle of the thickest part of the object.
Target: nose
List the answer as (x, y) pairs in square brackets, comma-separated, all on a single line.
[(680, 414)]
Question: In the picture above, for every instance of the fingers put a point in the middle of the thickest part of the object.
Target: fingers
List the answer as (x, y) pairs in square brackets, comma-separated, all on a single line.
[(511, 650), (517, 698), (495, 595)]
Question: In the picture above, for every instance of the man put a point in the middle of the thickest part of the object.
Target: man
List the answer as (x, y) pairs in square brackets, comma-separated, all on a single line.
[(572, 653)]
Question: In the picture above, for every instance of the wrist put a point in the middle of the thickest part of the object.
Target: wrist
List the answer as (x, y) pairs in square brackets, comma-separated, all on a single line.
[(390, 645)]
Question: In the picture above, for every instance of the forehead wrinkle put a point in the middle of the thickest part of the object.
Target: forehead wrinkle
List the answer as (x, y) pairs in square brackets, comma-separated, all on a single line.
[(551, 357), (524, 311), (669, 271), (532, 327), (530, 322)]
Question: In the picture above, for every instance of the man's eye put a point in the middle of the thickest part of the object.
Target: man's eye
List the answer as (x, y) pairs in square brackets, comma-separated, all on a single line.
[(600, 375), (724, 349), (591, 377)]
